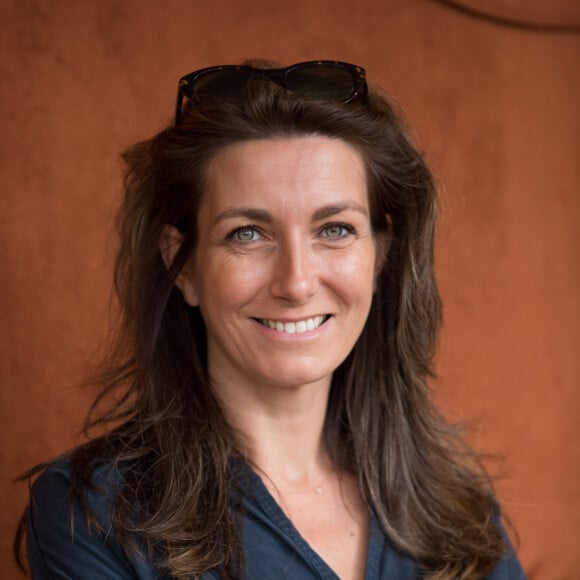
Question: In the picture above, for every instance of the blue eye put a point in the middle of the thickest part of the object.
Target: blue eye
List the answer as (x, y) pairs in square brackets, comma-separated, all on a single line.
[(245, 234), (336, 231)]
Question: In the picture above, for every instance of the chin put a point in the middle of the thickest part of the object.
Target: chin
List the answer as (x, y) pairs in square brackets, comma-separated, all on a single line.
[(292, 375)]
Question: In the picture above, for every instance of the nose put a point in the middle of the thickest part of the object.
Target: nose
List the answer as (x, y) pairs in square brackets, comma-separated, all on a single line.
[(295, 275)]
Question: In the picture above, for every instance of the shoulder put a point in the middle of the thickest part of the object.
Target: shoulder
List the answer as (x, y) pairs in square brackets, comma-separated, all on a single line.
[(60, 541), (509, 567), (54, 488)]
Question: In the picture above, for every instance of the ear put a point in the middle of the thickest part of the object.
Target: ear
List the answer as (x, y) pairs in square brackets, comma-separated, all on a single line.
[(383, 243), (169, 244)]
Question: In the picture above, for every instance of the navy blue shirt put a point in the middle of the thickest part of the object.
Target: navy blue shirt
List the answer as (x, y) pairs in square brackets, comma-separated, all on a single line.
[(273, 547)]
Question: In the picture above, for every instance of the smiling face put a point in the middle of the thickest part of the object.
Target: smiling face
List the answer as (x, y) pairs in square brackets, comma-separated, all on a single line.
[(285, 262)]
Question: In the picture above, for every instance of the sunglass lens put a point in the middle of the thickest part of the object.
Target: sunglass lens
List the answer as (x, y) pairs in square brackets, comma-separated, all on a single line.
[(321, 82), (224, 84)]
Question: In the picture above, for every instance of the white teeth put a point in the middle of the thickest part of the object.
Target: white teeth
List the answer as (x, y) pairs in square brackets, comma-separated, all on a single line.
[(294, 327)]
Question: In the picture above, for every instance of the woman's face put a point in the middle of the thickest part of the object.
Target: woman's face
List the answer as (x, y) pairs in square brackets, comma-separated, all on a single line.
[(285, 263)]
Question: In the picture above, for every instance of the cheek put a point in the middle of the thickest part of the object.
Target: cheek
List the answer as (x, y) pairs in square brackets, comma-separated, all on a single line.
[(354, 273), (231, 283)]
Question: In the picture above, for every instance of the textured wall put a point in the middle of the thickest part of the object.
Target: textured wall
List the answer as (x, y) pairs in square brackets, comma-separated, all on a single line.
[(495, 108)]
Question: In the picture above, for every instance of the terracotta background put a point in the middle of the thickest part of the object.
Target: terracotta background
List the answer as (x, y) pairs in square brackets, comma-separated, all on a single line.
[(496, 110)]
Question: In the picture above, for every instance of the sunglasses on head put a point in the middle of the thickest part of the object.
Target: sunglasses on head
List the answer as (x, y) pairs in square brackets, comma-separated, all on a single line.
[(328, 80)]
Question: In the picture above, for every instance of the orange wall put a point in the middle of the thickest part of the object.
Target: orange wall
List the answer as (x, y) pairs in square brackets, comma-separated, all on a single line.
[(497, 112)]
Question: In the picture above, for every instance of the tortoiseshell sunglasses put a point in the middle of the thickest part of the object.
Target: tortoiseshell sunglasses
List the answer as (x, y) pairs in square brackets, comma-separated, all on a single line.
[(319, 79)]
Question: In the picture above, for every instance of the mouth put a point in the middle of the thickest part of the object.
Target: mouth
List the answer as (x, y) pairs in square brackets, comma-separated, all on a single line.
[(297, 327)]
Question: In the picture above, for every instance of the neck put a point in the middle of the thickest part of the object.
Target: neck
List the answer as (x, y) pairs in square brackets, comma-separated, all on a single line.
[(280, 430)]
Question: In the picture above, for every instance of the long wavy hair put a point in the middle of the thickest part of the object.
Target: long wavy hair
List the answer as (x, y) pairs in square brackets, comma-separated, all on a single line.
[(166, 427)]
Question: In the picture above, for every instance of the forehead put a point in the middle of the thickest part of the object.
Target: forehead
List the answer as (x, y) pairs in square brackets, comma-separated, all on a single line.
[(302, 170)]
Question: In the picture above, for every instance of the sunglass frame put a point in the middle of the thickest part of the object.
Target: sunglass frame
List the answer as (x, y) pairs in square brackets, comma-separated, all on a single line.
[(186, 85)]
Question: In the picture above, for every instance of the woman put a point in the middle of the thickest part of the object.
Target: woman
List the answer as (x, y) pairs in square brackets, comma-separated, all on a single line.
[(268, 389)]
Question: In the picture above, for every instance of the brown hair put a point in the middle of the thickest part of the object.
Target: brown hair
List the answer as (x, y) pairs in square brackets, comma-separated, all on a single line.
[(429, 493)]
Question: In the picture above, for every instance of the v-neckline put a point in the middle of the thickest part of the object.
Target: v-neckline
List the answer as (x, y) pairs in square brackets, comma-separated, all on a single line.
[(267, 502)]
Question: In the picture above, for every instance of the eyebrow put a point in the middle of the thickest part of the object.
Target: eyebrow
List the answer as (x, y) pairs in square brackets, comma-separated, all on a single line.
[(261, 215), (333, 209), (250, 213)]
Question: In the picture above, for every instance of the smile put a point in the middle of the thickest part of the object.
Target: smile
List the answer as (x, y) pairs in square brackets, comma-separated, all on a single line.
[(294, 327)]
